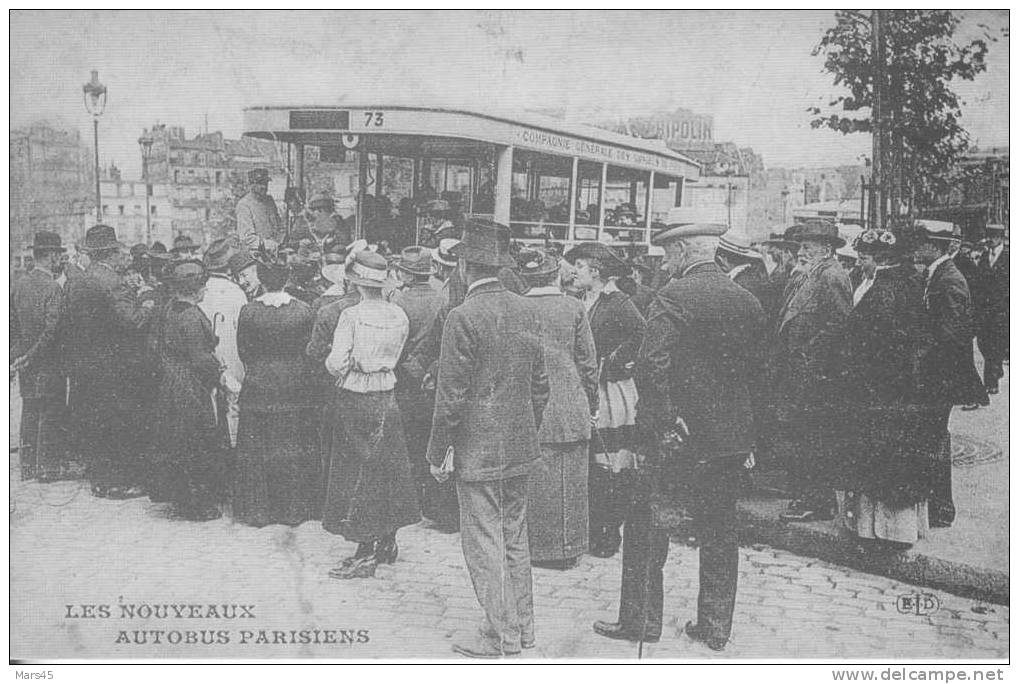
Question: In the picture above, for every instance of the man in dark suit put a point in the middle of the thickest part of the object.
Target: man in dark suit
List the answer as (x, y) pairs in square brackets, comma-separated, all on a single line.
[(742, 263), (947, 376), (103, 341), (491, 393), (698, 378), (809, 324), (36, 308), (991, 300), (422, 304)]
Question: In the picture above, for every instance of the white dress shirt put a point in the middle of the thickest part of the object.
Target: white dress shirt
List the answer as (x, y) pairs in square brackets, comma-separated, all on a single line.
[(222, 304)]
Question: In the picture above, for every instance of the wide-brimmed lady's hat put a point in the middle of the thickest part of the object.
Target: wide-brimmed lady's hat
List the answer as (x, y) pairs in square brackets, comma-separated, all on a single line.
[(612, 265), (534, 264), (783, 240), (101, 237), (47, 241), (873, 241), (485, 242), (217, 256), (369, 269), (443, 254), (416, 260), (819, 231)]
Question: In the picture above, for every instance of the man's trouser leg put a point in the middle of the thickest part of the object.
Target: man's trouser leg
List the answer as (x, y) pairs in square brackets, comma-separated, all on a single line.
[(493, 533), (719, 549), (645, 549), (28, 436)]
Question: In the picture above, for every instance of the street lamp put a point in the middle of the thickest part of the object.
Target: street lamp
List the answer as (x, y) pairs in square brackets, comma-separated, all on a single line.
[(146, 144), (94, 94)]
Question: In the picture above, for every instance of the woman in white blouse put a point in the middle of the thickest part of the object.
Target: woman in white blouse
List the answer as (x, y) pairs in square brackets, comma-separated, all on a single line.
[(370, 493)]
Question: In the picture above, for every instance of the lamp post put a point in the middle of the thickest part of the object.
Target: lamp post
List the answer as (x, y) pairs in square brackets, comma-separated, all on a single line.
[(146, 144), (94, 94)]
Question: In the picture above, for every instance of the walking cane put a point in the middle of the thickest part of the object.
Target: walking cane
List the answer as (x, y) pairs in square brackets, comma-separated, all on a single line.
[(216, 318)]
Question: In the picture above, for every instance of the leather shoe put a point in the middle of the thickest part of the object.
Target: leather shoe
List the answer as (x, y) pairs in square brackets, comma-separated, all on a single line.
[(617, 630), (123, 493), (971, 407), (698, 633), (480, 647)]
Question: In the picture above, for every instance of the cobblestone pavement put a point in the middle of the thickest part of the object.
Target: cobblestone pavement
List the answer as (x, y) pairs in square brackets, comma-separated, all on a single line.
[(70, 549)]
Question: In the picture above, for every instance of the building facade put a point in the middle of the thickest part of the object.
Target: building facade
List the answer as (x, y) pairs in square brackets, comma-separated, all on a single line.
[(125, 208), (51, 184)]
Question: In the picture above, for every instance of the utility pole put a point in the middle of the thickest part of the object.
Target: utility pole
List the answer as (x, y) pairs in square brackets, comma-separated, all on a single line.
[(877, 52)]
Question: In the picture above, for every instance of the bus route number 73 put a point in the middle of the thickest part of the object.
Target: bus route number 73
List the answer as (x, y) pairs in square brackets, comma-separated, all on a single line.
[(374, 119)]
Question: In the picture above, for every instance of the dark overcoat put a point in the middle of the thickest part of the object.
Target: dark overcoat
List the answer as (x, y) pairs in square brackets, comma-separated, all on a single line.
[(36, 308), (991, 300), (884, 338), (809, 325), (492, 386), (701, 361), (271, 342), (947, 373)]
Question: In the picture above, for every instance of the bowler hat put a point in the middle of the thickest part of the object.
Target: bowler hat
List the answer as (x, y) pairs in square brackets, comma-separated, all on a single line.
[(100, 237), (47, 240), (258, 176), (416, 260), (369, 269), (442, 253), (534, 263), (157, 248), (186, 274), (217, 256), (612, 265), (485, 242), (739, 244), (819, 231), (782, 241)]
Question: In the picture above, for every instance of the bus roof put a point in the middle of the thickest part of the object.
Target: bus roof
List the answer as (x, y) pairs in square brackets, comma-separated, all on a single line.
[(322, 124)]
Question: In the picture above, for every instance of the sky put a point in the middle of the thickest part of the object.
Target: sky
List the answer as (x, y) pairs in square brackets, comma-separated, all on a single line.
[(751, 70)]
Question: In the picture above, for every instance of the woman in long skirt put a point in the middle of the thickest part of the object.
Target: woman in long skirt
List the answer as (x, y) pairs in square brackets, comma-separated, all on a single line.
[(881, 477), (557, 505), (370, 493), (186, 443), (278, 473), (618, 329)]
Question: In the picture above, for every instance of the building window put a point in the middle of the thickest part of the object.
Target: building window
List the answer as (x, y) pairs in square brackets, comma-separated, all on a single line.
[(176, 175), (206, 213), (121, 209), (148, 190), (137, 208), (219, 177), (153, 209), (106, 209)]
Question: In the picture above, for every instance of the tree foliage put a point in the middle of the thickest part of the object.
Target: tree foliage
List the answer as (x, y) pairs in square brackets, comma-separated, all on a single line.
[(922, 58)]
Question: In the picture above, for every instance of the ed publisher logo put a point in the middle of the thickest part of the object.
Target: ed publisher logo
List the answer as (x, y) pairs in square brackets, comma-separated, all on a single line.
[(920, 603)]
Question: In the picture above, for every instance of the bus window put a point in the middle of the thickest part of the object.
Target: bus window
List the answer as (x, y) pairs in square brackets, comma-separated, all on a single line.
[(588, 192), (458, 181), (398, 178), (626, 194), (540, 192)]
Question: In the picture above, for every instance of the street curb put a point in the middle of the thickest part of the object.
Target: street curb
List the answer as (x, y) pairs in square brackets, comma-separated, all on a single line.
[(759, 524)]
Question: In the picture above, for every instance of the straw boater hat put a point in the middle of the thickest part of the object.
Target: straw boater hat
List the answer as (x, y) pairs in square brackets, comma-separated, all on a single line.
[(994, 228), (321, 200), (47, 241), (416, 260), (100, 237), (443, 255), (485, 242), (687, 222), (942, 232), (738, 243), (369, 269)]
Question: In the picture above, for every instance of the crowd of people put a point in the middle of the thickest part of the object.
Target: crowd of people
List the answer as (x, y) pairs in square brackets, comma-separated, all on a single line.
[(537, 400)]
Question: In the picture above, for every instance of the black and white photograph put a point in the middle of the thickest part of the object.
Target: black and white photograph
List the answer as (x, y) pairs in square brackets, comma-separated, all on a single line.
[(511, 337)]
